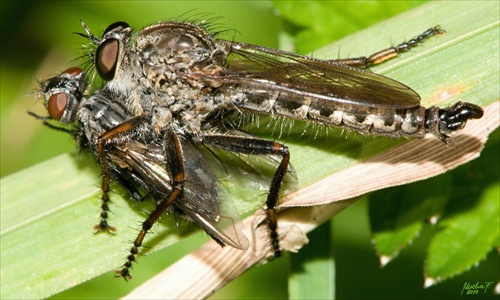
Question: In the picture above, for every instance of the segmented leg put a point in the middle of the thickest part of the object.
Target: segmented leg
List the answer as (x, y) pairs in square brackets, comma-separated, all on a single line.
[(111, 137), (255, 146), (391, 52), (175, 161)]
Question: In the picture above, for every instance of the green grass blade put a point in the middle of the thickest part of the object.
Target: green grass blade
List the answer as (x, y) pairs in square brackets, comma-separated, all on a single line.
[(48, 243)]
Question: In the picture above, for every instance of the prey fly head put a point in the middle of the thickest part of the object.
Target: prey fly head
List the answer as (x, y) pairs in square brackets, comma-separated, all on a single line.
[(62, 97)]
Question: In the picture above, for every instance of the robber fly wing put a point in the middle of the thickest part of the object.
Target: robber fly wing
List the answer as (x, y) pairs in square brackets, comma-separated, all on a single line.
[(286, 72), (211, 175)]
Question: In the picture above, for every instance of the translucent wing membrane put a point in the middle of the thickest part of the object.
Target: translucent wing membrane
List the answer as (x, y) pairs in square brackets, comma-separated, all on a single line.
[(335, 83), (206, 198)]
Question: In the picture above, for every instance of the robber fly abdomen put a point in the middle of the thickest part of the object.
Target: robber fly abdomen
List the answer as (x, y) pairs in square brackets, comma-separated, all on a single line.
[(385, 121)]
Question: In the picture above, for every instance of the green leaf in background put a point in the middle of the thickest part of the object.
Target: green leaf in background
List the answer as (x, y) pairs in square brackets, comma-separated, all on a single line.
[(466, 208), (465, 239), (470, 227), (396, 215), (317, 23)]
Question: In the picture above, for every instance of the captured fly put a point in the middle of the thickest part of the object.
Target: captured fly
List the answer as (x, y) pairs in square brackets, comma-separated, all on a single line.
[(177, 85), (142, 165)]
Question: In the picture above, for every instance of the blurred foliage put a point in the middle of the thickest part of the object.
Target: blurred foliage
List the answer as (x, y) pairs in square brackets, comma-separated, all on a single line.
[(333, 19)]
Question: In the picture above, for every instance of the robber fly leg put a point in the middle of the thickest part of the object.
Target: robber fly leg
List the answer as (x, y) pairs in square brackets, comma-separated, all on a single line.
[(107, 139), (391, 52), (255, 146), (173, 154)]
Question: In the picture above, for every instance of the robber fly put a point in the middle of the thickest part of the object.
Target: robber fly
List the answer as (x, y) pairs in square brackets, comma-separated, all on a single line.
[(188, 82), (175, 85), (146, 166)]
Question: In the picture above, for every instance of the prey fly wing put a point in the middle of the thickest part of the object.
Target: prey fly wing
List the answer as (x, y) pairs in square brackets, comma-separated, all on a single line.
[(210, 176)]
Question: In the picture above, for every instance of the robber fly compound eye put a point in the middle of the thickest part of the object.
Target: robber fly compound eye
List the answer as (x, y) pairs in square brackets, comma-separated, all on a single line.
[(106, 59), (116, 26), (106, 56)]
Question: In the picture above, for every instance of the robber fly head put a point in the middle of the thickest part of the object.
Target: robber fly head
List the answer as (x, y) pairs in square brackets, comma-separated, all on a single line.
[(63, 94)]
